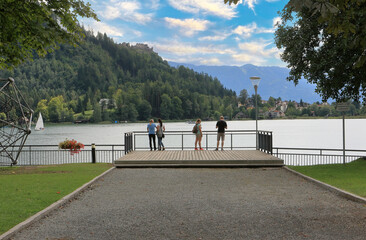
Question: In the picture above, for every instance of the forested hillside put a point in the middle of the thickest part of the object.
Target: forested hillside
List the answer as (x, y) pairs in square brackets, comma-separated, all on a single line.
[(117, 82)]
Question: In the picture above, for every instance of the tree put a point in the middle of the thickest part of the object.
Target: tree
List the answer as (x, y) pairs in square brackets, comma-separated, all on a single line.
[(97, 113), (165, 107), (42, 108), (326, 44), (271, 101), (177, 111), (55, 108), (33, 25), (243, 96), (144, 110), (344, 18)]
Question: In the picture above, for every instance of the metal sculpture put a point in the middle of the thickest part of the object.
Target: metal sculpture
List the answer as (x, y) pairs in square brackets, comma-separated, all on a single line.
[(15, 121)]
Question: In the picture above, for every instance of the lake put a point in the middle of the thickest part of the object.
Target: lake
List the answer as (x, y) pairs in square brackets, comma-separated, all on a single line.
[(309, 133)]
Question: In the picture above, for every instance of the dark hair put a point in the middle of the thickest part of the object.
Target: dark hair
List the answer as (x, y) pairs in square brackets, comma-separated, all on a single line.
[(161, 123)]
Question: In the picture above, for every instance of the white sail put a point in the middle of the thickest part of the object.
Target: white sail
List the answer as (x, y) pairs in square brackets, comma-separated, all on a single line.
[(39, 124)]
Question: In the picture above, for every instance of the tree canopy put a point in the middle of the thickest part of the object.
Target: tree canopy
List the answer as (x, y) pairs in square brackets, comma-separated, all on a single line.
[(34, 26), (120, 82), (325, 43)]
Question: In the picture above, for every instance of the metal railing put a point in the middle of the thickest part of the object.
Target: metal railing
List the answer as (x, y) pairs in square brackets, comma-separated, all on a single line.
[(128, 142), (234, 140), (265, 141), (51, 154), (138, 140), (316, 156)]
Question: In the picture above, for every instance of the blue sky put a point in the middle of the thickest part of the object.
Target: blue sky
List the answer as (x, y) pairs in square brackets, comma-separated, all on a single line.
[(200, 32)]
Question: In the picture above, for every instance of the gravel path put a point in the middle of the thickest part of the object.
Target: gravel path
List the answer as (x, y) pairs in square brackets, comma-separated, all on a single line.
[(203, 203)]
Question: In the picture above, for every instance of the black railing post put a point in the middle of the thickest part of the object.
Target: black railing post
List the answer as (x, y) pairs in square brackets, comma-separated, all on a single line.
[(206, 141), (93, 153), (128, 142), (134, 142), (30, 155), (112, 153), (231, 141), (271, 143)]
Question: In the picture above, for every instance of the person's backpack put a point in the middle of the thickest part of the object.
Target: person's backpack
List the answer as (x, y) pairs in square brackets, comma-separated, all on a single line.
[(195, 129)]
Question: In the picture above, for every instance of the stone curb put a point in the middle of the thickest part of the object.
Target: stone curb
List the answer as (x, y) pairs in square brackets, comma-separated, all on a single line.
[(44, 212), (340, 192)]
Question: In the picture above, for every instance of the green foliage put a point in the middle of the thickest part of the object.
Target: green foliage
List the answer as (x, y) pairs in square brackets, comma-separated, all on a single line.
[(26, 191), (324, 41), (33, 26), (136, 82), (231, 1), (97, 113), (350, 177), (243, 96)]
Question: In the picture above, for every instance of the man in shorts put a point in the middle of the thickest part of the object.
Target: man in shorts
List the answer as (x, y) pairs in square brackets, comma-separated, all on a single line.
[(221, 126)]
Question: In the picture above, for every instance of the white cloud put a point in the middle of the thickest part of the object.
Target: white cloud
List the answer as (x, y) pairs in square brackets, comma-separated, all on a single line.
[(248, 30), (103, 28), (259, 48), (210, 7), (188, 27), (245, 31), (276, 20), (217, 37), (250, 3), (126, 10), (258, 53), (153, 4), (211, 61), (176, 47)]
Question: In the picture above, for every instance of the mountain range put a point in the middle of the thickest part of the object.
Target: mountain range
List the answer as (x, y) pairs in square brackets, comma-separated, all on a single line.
[(273, 81)]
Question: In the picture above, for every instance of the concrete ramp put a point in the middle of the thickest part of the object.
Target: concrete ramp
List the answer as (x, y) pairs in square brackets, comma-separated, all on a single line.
[(229, 158)]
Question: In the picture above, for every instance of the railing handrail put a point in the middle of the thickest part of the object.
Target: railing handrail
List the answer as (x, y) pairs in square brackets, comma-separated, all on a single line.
[(204, 131), (319, 149), (56, 145)]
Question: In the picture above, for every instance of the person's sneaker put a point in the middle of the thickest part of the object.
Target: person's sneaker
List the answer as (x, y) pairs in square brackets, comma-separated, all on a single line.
[(222, 149), (216, 149), (163, 148), (195, 148), (201, 148)]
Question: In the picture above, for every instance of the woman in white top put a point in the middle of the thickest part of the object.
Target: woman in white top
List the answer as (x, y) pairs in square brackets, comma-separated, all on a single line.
[(160, 133)]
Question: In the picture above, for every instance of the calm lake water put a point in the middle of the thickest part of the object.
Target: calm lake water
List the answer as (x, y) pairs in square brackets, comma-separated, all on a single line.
[(319, 133)]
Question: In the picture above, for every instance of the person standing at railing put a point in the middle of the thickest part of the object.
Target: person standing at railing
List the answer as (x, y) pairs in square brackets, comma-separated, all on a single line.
[(160, 133), (198, 135), (221, 126), (151, 130)]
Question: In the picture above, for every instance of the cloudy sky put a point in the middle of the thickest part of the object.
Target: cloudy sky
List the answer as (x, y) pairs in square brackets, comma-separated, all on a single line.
[(201, 32)]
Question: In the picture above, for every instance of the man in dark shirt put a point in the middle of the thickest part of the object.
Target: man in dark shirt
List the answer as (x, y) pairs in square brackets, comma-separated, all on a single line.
[(221, 126)]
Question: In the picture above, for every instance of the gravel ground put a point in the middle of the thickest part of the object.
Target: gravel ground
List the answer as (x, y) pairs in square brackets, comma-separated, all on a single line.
[(203, 203)]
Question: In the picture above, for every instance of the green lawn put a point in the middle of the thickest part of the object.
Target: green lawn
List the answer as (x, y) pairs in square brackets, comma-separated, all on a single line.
[(27, 190), (350, 177)]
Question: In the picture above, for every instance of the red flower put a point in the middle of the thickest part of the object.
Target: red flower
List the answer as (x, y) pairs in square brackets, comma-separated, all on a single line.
[(72, 145)]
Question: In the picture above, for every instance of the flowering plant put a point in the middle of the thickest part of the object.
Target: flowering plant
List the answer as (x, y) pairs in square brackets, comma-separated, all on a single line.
[(72, 145)]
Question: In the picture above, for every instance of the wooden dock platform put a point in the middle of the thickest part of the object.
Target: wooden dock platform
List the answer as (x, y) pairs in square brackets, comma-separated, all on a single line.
[(229, 158)]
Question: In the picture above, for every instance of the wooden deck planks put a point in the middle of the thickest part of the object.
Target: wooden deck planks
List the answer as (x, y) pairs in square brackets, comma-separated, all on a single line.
[(198, 158)]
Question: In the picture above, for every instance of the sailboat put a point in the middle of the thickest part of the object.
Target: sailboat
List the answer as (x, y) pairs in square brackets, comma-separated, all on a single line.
[(39, 124)]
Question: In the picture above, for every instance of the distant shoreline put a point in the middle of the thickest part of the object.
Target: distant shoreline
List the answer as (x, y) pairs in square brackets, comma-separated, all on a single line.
[(186, 120)]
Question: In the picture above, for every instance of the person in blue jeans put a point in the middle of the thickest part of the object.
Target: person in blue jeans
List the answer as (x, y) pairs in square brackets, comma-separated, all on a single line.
[(151, 130), (160, 128)]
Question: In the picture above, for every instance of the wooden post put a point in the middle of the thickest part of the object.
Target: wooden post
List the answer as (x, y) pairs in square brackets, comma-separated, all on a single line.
[(93, 153)]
